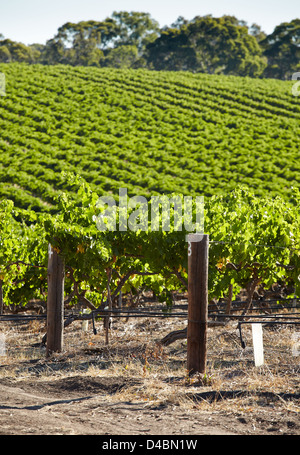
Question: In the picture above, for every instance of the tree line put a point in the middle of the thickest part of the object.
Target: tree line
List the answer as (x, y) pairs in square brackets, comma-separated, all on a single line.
[(224, 45)]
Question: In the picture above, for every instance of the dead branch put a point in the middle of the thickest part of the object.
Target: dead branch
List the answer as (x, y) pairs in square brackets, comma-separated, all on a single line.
[(182, 334)]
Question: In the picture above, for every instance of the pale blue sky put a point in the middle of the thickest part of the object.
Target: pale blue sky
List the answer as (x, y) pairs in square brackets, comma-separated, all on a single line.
[(36, 21)]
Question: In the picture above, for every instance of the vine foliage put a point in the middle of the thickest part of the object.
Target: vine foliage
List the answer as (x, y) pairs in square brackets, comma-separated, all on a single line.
[(253, 241)]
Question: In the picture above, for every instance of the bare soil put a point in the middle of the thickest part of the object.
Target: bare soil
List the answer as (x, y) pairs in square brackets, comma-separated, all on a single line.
[(133, 386)]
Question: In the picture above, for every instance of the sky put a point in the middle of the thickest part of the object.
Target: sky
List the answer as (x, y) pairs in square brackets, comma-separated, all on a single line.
[(36, 21)]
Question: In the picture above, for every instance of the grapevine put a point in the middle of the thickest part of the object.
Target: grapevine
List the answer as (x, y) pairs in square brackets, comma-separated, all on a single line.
[(253, 241)]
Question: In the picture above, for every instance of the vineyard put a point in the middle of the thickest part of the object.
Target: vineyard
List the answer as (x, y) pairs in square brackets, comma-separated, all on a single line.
[(152, 133), (253, 242), (71, 135)]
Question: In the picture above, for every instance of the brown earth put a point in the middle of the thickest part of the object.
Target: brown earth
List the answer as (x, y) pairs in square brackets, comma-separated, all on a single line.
[(135, 387), (79, 406)]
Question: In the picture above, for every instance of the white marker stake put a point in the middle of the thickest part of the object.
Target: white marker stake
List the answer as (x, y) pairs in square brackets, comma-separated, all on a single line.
[(85, 323), (258, 346), (2, 345)]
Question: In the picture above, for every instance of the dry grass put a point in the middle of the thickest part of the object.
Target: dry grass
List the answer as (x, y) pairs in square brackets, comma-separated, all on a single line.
[(232, 382)]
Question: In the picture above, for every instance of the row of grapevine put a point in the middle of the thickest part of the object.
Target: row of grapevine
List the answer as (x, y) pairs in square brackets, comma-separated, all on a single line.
[(253, 241), (151, 132)]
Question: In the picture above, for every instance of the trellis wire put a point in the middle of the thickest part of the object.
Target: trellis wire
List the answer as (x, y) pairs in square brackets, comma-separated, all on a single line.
[(157, 311)]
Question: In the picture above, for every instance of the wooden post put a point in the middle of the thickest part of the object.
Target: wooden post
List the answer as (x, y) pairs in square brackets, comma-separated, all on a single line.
[(197, 302), (107, 319), (55, 302)]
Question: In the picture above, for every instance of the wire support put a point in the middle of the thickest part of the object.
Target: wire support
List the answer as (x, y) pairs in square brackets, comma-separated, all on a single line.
[(222, 242)]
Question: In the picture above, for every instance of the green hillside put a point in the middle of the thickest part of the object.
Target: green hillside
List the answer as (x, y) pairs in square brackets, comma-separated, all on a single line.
[(150, 132)]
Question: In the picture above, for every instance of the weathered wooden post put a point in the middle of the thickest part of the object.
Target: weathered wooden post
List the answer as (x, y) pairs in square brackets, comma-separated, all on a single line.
[(107, 319), (55, 302), (198, 245)]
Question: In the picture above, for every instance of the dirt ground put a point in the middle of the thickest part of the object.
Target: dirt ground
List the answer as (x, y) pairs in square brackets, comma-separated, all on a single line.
[(133, 386), (79, 406)]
